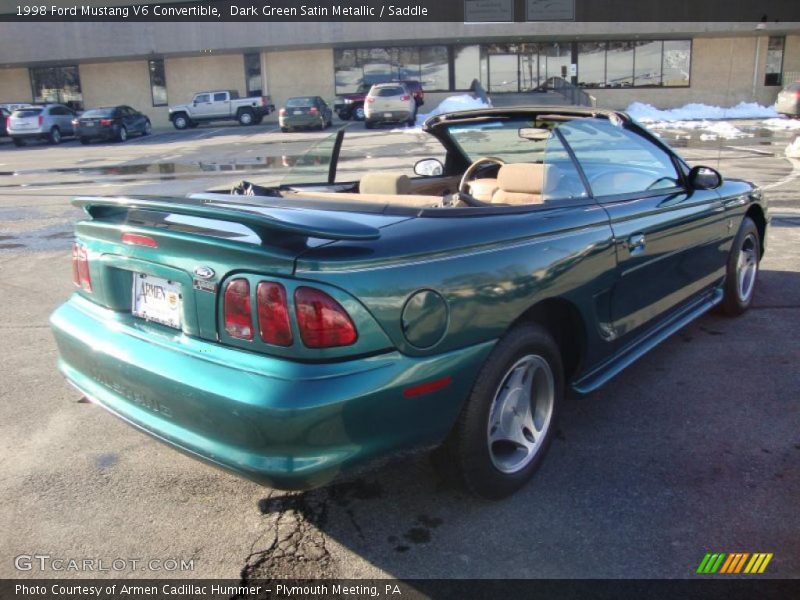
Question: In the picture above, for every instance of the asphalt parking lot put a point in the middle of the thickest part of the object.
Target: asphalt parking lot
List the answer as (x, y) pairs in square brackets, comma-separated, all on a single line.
[(693, 449)]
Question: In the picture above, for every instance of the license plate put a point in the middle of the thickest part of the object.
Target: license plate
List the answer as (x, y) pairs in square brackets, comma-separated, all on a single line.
[(298, 112), (157, 299), (89, 124), (387, 115)]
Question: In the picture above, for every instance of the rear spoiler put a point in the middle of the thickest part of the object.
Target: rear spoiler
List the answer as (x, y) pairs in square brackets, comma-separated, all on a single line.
[(264, 221)]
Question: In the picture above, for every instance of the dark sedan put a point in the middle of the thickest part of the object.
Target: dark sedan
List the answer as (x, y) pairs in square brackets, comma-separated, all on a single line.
[(111, 123), (305, 111)]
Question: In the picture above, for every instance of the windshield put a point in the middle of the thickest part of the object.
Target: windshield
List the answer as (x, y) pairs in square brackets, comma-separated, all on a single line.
[(300, 102), (501, 139), (28, 112), (99, 112)]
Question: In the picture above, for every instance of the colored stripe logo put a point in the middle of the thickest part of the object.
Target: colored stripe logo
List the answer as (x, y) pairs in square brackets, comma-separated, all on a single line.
[(734, 563)]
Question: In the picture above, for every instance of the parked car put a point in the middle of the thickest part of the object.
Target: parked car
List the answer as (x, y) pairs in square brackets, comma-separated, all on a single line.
[(351, 106), (51, 122), (4, 116), (111, 123), (390, 103), (302, 330), (788, 102), (305, 111), (220, 105)]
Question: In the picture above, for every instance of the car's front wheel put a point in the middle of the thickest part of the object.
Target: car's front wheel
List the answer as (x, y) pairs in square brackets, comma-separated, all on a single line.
[(358, 113), (148, 128), (506, 426), (741, 272), (122, 135)]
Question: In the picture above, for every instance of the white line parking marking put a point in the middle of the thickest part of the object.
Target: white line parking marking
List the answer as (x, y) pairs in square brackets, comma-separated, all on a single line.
[(789, 178)]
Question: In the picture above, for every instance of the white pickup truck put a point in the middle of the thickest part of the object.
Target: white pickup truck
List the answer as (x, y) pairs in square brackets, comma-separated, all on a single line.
[(220, 105)]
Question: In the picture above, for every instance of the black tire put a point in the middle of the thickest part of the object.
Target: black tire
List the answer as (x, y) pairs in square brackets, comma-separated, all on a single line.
[(181, 121), (246, 118), (357, 112), (259, 120), (466, 451), (122, 134), (369, 124), (84, 141), (18, 142), (148, 128), (54, 137), (739, 292), (285, 129)]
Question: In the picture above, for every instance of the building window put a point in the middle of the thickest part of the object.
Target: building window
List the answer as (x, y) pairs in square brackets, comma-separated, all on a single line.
[(357, 67), (592, 64), (158, 82), (619, 64), (647, 58), (774, 71), (57, 84), (252, 74), (470, 63), (676, 63)]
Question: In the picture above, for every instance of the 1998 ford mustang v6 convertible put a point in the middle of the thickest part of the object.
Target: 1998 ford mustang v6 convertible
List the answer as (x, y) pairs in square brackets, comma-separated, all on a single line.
[(290, 333)]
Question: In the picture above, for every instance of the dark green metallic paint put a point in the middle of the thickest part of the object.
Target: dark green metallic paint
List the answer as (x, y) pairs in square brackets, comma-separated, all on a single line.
[(296, 417)]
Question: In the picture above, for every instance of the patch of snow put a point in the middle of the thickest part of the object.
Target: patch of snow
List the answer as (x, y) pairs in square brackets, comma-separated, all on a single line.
[(793, 149), (781, 124), (647, 113)]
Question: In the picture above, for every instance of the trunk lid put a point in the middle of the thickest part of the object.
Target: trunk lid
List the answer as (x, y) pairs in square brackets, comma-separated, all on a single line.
[(178, 252)]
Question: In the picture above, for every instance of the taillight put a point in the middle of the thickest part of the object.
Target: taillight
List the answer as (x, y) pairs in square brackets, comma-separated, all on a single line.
[(238, 316), (322, 321), (273, 314), (75, 122), (405, 98), (80, 268), (370, 99), (41, 120), (106, 122), (313, 110), (8, 123), (283, 112)]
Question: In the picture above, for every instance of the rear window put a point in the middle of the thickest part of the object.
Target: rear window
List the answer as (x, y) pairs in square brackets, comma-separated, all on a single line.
[(28, 112), (389, 91), (295, 102), (98, 113)]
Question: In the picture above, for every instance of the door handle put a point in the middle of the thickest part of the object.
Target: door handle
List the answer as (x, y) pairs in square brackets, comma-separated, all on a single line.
[(636, 243)]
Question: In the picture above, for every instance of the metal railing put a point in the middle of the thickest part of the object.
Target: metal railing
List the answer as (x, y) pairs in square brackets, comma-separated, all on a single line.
[(572, 93)]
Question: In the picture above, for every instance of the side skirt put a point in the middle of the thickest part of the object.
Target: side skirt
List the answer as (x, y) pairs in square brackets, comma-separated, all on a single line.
[(602, 374)]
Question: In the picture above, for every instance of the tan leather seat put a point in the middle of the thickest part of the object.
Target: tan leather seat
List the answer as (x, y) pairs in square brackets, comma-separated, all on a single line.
[(385, 183), (483, 189), (520, 183)]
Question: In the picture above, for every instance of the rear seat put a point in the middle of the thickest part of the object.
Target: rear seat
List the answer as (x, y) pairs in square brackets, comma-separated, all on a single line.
[(378, 187)]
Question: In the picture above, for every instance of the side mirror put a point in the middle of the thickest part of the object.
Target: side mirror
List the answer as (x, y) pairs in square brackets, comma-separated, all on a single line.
[(429, 167), (704, 178)]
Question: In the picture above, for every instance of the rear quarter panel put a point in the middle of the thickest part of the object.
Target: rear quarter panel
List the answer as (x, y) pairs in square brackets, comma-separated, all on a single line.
[(489, 269)]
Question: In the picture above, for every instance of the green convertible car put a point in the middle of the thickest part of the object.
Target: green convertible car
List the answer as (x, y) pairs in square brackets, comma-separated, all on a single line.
[(292, 333)]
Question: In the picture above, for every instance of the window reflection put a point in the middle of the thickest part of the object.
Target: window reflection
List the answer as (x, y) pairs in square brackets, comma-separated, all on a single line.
[(676, 63), (647, 61), (619, 64), (592, 64), (364, 67), (57, 84)]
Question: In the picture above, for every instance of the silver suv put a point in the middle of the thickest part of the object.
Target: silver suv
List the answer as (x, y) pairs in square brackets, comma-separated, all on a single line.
[(51, 122)]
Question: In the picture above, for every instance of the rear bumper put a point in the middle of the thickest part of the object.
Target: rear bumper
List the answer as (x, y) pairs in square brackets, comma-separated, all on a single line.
[(99, 133), (28, 134), (300, 121), (379, 116), (278, 422)]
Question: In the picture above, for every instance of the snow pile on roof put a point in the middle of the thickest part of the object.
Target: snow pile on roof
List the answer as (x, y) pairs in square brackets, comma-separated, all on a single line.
[(647, 113), (793, 149)]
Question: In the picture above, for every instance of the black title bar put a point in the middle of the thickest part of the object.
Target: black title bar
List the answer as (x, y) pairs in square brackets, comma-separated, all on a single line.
[(498, 11)]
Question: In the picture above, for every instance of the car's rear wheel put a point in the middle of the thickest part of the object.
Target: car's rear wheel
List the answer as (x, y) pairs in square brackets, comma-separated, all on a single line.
[(84, 140), (18, 142), (246, 117), (285, 129), (148, 128), (181, 121), (506, 426), (54, 137), (122, 135), (741, 272)]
